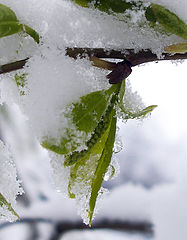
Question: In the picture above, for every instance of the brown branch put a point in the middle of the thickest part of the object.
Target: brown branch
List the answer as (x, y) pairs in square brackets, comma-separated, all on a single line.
[(63, 226), (9, 67), (135, 59), (144, 228)]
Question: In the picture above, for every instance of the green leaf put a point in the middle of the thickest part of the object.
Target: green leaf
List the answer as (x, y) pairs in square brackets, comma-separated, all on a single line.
[(20, 79), (83, 3), (95, 137), (85, 115), (140, 114), (103, 165), (121, 95), (9, 23), (32, 33), (167, 19), (116, 6), (176, 48), (66, 145), (3, 202), (149, 14), (88, 167), (20, 82), (82, 170), (128, 114)]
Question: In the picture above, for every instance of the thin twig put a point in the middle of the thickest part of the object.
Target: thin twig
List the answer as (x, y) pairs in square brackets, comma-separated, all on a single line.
[(9, 67), (144, 228), (135, 58)]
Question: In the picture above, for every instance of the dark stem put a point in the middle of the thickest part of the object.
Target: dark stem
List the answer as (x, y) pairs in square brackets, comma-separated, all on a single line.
[(9, 67), (135, 59), (144, 228)]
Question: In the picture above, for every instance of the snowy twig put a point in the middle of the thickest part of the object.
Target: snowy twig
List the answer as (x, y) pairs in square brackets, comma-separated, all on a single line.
[(135, 58), (9, 67)]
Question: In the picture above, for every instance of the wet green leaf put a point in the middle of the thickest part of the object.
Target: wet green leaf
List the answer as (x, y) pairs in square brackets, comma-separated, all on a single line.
[(95, 137), (128, 114), (142, 113), (3, 202), (176, 48), (149, 14), (20, 80), (167, 19), (66, 145), (94, 114), (31, 32), (91, 168), (9, 24), (116, 6), (83, 3), (85, 115), (103, 165)]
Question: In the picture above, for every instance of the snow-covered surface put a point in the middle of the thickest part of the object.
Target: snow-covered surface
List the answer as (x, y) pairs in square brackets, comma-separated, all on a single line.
[(9, 185), (54, 81)]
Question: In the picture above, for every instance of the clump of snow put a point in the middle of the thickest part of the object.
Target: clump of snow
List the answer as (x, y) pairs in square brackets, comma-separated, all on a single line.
[(132, 100), (55, 81), (9, 185), (113, 169), (60, 173)]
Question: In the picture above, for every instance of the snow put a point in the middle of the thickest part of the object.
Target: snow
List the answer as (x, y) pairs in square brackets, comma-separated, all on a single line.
[(9, 185), (55, 80)]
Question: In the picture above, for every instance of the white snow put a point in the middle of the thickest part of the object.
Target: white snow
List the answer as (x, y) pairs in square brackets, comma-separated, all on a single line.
[(9, 185), (55, 80)]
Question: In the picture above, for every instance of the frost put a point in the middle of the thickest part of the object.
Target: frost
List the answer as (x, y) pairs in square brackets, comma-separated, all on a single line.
[(132, 100), (60, 174), (9, 185), (113, 169), (118, 144)]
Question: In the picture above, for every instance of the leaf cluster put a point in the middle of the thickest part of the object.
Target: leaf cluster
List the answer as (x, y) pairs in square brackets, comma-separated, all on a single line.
[(95, 114)]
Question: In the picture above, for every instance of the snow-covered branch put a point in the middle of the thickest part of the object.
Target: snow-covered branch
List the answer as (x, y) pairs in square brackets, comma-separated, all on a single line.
[(135, 58)]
